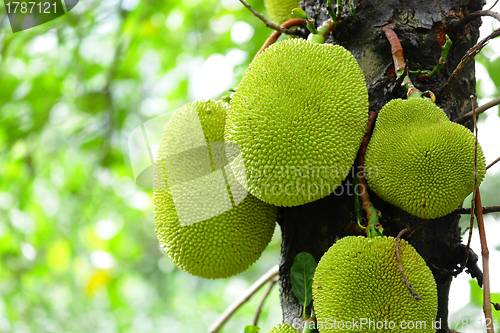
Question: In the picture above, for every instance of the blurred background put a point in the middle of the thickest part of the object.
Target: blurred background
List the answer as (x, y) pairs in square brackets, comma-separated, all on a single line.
[(78, 251)]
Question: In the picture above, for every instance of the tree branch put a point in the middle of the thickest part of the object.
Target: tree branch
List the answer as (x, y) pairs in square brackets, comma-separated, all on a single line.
[(479, 110), (486, 210), (485, 254), (458, 24), (493, 163), (473, 202), (269, 275), (259, 309), (268, 23), (473, 51), (275, 35)]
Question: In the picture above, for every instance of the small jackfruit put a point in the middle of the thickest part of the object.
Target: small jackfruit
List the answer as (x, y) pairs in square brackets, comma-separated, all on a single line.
[(420, 161), (297, 120), (357, 287), (205, 221), (280, 11), (283, 328)]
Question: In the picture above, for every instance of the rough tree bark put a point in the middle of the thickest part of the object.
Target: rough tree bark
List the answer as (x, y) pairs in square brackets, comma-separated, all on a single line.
[(421, 26)]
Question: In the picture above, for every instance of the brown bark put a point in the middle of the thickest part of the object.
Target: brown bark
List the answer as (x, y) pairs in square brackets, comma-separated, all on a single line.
[(421, 27)]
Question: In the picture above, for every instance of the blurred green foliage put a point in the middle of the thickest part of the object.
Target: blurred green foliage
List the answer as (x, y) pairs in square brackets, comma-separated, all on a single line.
[(78, 251)]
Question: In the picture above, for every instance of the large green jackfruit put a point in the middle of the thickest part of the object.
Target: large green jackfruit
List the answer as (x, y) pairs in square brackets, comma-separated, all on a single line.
[(420, 161), (280, 11), (357, 287), (297, 120), (205, 221)]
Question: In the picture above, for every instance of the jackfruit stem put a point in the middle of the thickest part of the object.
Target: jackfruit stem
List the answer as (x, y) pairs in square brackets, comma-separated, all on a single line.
[(327, 27), (309, 329), (300, 13), (374, 228), (411, 91)]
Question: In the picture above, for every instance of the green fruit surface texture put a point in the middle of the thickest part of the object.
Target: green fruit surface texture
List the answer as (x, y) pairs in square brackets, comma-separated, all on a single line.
[(420, 161), (296, 121), (280, 11), (283, 328), (192, 181), (358, 280)]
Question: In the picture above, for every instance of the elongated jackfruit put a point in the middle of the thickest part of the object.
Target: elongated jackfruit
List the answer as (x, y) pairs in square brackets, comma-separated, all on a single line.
[(357, 287), (297, 119), (205, 221), (283, 328), (280, 11), (420, 161)]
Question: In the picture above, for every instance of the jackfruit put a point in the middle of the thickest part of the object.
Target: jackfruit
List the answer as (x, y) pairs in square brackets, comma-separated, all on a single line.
[(357, 287), (205, 221), (297, 119), (280, 11), (283, 328), (420, 161)]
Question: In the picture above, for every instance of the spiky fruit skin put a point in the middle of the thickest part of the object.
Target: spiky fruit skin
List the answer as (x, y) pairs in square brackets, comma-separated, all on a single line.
[(283, 328), (420, 161), (358, 279), (230, 241), (280, 11), (297, 119)]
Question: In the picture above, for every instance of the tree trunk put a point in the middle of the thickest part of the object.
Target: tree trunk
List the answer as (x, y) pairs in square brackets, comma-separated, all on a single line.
[(421, 27)]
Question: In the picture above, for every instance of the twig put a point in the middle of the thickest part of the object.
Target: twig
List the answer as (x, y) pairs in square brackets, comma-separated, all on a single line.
[(493, 5), (396, 50), (473, 51), (486, 210), (399, 63), (268, 23), (479, 110), (407, 284), (493, 163), (485, 253), (466, 20), (372, 214), (275, 35), (442, 60), (269, 275), (259, 309), (473, 202)]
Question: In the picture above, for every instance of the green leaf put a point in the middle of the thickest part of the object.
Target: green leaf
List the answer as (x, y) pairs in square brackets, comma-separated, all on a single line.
[(476, 293), (301, 276), (251, 329)]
